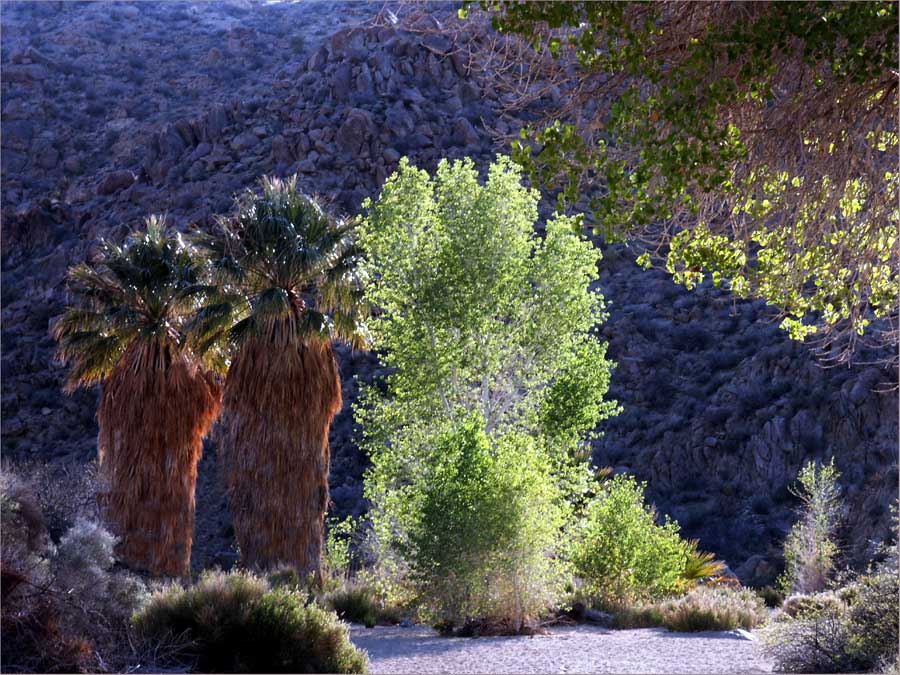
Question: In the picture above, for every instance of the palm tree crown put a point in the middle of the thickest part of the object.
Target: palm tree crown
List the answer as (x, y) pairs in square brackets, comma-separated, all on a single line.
[(289, 270), (143, 293)]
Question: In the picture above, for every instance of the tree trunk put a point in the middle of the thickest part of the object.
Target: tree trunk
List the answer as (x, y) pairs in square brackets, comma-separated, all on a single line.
[(273, 447), (154, 411)]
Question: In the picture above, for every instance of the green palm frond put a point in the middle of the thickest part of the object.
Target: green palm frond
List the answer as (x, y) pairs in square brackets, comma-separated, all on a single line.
[(700, 564), (150, 288), (290, 270)]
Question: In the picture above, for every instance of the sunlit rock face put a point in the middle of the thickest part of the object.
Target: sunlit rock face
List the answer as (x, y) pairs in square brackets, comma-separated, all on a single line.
[(112, 112)]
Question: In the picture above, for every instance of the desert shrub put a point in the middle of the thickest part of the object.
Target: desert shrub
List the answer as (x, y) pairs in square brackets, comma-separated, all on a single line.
[(87, 546), (853, 628), (237, 623), (63, 493), (485, 530), (338, 548), (627, 615), (714, 608), (621, 552), (873, 619), (810, 636), (355, 603), (809, 549), (65, 607), (700, 565)]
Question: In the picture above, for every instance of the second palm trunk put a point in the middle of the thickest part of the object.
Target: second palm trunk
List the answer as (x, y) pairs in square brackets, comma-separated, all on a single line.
[(273, 448)]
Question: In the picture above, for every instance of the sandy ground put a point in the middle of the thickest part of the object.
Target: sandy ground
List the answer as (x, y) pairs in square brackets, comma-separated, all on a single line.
[(576, 649)]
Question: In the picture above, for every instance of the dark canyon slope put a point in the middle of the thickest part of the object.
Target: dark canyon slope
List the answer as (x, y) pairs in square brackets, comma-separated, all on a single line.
[(112, 111)]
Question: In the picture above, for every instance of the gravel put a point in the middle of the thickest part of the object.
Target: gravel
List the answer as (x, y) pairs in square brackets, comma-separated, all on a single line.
[(568, 649)]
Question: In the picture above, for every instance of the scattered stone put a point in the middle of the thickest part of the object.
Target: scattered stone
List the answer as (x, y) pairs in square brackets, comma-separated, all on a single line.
[(357, 129), (244, 141), (437, 44), (464, 133), (115, 181)]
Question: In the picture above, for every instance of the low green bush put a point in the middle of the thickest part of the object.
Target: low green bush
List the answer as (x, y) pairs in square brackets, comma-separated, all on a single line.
[(714, 608), (620, 551), (873, 618), (639, 616), (236, 623), (354, 603), (487, 524)]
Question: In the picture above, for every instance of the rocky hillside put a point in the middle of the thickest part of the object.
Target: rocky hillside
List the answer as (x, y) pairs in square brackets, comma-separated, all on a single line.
[(114, 111)]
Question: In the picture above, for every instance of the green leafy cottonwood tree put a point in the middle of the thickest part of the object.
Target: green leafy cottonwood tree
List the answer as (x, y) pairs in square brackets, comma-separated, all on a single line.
[(477, 313), (477, 316), (754, 142)]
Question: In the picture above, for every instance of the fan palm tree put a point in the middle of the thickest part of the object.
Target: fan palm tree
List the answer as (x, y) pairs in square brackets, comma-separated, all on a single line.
[(291, 273), (129, 330)]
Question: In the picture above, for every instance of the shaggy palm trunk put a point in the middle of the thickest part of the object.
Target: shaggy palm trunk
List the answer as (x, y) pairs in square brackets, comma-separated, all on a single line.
[(273, 445), (154, 411)]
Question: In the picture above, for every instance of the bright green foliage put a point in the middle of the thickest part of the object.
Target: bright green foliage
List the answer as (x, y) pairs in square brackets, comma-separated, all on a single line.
[(478, 317), (619, 550), (338, 547), (765, 142), (233, 623), (147, 290), (810, 548), (289, 272), (485, 524)]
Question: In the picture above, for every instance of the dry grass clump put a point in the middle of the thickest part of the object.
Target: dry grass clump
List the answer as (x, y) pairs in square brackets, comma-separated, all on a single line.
[(714, 608), (236, 623), (705, 608)]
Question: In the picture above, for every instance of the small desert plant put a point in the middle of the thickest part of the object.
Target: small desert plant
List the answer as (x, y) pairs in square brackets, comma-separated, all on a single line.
[(64, 493), (771, 596), (810, 549), (714, 608), (810, 636), (236, 623), (698, 564), (626, 615), (338, 550), (874, 617), (621, 552), (354, 603)]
